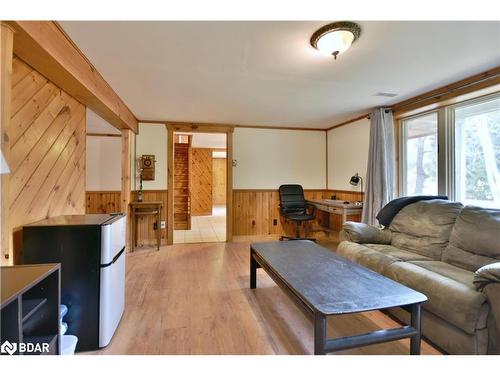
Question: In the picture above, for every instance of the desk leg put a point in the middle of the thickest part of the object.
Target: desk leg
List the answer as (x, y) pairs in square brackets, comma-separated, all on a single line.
[(134, 230), (158, 230), (319, 333), (415, 323), (253, 271)]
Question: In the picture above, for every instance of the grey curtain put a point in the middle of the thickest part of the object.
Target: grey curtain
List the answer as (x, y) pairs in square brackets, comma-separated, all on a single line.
[(380, 174)]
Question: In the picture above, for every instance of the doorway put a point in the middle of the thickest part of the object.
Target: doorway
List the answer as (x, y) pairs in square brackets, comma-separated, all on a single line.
[(199, 187)]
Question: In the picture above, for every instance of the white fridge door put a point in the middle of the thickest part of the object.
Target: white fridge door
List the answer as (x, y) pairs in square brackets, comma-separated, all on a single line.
[(112, 299), (112, 239)]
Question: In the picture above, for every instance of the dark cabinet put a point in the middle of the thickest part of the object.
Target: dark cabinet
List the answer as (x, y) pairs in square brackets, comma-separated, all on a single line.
[(30, 314)]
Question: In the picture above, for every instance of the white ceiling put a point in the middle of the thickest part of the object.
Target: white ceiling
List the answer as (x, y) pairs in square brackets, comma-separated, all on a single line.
[(266, 73)]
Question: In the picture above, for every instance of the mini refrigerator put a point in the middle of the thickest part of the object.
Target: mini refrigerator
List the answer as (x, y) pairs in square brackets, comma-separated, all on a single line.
[(91, 250)]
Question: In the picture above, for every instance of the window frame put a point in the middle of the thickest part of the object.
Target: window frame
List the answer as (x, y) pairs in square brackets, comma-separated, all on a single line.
[(446, 175), (402, 180)]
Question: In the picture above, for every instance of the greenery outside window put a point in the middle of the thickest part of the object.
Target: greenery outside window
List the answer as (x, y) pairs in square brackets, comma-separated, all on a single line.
[(453, 151)]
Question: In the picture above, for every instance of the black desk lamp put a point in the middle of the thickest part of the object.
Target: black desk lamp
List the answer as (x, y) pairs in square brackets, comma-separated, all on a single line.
[(357, 180)]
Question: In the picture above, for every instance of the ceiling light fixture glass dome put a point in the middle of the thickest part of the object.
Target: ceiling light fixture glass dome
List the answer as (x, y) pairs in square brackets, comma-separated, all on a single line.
[(335, 38)]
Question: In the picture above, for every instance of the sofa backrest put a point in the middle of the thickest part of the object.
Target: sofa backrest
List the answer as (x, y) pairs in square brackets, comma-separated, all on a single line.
[(424, 227), (475, 239)]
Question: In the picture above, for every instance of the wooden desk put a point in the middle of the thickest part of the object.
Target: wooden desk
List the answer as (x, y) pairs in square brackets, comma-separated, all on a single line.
[(347, 211), (141, 209)]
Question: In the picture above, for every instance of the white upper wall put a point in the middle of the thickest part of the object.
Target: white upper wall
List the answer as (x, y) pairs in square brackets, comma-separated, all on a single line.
[(267, 158), (152, 140), (96, 124), (347, 154), (103, 163), (103, 155)]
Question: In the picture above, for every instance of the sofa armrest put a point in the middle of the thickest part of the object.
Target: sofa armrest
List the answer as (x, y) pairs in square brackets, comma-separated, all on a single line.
[(363, 233), (492, 292), (487, 274)]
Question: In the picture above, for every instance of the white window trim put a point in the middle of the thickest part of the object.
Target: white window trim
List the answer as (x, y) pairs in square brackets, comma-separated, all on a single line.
[(446, 145)]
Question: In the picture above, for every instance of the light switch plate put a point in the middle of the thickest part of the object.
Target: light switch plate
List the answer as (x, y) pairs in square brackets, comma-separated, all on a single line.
[(162, 225)]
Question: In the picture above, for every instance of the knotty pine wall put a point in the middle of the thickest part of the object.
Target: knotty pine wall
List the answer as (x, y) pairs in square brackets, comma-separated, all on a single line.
[(47, 151), (255, 211), (105, 202), (201, 181)]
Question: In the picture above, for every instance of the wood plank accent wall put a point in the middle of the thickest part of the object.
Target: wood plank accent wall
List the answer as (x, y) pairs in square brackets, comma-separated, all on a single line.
[(201, 181), (219, 181), (45, 46), (256, 212), (47, 150)]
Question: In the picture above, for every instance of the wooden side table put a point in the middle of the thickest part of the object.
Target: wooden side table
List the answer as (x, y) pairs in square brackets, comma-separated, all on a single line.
[(142, 209)]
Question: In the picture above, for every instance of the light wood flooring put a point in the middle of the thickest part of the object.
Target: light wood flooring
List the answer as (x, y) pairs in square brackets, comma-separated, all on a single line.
[(194, 299)]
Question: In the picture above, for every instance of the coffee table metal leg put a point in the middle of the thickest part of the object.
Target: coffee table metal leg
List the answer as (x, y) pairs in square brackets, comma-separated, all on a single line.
[(319, 333), (253, 272), (415, 323)]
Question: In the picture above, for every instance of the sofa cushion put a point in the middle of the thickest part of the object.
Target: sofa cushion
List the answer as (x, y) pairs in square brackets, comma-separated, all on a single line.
[(424, 227), (375, 256), (475, 239), (449, 289)]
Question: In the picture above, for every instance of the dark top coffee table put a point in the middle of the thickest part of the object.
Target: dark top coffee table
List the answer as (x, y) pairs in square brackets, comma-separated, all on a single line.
[(323, 283)]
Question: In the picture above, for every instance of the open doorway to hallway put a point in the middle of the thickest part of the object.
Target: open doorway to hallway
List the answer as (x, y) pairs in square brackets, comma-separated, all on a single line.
[(200, 187)]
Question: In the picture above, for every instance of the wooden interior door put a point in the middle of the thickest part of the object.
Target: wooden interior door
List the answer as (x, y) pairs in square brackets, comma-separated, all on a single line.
[(182, 191)]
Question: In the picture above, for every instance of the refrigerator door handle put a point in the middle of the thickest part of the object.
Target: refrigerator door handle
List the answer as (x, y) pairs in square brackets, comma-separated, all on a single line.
[(114, 259)]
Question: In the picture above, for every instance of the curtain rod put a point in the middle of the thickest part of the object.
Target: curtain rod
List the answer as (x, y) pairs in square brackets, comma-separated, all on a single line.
[(386, 111)]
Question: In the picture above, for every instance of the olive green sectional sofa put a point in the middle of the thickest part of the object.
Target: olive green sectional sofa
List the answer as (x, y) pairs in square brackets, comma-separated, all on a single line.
[(448, 252)]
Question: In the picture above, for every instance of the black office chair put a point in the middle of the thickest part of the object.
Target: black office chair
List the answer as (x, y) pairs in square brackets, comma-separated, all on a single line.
[(294, 207)]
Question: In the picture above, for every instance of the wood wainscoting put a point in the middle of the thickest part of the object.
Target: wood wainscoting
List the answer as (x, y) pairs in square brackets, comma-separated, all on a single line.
[(256, 212), (105, 202), (146, 234), (102, 202), (47, 151)]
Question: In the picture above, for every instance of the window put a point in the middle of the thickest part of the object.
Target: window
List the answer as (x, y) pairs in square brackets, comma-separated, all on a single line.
[(468, 168), (420, 155), (477, 153)]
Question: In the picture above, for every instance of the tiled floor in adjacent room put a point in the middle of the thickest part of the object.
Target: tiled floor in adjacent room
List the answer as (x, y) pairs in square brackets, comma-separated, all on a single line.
[(205, 228)]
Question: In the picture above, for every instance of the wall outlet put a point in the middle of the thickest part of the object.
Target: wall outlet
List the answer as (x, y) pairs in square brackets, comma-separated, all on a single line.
[(162, 224), (275, 222)]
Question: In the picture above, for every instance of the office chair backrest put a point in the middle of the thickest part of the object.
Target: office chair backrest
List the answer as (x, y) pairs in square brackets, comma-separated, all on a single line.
[(292, 199)]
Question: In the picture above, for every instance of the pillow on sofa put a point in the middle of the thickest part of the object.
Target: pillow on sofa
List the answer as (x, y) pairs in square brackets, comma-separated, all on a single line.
[(475, 239), (424, 227)]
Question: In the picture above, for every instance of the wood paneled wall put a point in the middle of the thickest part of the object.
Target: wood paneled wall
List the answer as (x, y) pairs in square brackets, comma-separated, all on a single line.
[(182, 195), (47, 150), (102, 202), (219, 181), (146, 234), (256, 212), (201, 181), (99, 202)]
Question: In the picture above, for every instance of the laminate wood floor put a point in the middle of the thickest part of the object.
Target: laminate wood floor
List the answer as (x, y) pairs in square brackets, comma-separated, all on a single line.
[(194, 299)]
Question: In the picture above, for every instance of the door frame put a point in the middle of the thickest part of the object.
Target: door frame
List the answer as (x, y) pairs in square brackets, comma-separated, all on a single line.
[(188, 127)]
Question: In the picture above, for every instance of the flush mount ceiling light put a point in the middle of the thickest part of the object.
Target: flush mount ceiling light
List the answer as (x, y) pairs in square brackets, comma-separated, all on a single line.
[(335, 38)]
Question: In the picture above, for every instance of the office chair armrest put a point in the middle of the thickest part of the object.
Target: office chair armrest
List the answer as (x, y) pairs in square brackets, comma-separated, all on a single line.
[(363, 233), (313, 212)]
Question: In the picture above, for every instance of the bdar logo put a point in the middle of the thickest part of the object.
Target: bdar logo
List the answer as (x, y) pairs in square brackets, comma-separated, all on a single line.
[(8, 347)]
